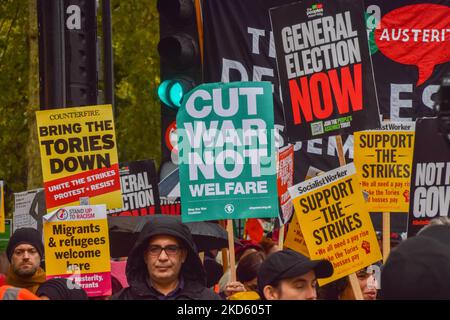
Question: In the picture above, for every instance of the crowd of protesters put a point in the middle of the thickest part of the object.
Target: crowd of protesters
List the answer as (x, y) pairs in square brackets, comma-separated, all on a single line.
[(164, 265)]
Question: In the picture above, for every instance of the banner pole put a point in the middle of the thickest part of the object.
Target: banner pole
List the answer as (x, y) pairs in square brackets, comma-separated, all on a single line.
[(224, 251), (340, 150), (386, 235), (199, 18), (231, 250), (352, 277), (202, 256), (281, 238)]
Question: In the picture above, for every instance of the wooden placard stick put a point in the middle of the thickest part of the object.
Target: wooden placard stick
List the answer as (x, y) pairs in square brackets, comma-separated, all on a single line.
[(231, 250), (352, 277), (281, 238), (224, 250), (386, 235)]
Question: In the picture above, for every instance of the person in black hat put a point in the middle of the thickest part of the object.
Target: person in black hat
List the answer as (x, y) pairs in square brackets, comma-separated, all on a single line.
[(164, 264), (59, 289), (25, 251), (419, 268), (438, 228), (289, 275)]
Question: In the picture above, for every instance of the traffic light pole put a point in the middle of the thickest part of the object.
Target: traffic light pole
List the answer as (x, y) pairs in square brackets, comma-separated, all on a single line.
[(68, 64), (108, 64), (180, 66), (51, 54)]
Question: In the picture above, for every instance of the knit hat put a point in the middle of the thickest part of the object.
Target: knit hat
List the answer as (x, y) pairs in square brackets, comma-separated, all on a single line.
[(57, 289), (25, 236)]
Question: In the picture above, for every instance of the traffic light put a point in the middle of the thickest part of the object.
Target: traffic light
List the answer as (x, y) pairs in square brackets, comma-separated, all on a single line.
[(179, 51), (171, 91)]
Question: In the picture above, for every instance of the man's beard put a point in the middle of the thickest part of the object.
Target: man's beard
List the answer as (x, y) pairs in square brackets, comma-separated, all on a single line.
[(25, 273)]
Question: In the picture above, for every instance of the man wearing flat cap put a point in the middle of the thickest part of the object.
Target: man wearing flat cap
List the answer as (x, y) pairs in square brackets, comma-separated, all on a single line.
[(289, 275), (25, 251)]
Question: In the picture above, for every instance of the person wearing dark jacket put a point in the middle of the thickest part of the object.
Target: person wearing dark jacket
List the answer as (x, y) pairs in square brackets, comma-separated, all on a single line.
[(61, 289), (419, 268), (164, 264)]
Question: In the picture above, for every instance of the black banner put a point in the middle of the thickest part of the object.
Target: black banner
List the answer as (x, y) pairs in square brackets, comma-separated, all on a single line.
[(324, 68), (169, 193), (430, 182), (238, 45), (397, 54), (139, 185)]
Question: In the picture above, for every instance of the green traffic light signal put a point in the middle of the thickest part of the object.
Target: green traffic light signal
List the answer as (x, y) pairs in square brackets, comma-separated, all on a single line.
[(171, 92)]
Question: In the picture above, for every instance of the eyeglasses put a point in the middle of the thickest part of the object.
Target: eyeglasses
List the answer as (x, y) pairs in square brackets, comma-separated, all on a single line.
[(170, 250)]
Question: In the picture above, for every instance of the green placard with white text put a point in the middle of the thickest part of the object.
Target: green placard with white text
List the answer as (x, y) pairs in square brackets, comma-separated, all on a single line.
[(227, 152)]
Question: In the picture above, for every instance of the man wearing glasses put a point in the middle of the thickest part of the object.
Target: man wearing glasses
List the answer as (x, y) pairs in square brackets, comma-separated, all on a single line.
[(164, 264)]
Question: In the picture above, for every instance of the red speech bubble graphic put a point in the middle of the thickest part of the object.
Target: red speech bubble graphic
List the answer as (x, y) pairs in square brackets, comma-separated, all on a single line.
[(416, 35)]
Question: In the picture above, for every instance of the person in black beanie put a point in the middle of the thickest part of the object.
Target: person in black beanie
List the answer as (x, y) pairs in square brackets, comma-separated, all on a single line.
[(25, 252), (58, 289)]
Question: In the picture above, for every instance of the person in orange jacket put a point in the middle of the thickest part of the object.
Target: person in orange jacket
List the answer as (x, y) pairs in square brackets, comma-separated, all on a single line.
[(13, 293)]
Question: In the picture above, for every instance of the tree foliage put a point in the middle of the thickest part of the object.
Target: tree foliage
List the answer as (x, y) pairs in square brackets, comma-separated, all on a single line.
[(135, 37), (136, 63), (13, 95)]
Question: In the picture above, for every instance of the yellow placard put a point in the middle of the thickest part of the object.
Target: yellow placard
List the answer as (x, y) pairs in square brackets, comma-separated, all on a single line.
[(88, 251), (77, 242), (79, 156), (294, 238), (2, 208), (335, 222), (383, 160)]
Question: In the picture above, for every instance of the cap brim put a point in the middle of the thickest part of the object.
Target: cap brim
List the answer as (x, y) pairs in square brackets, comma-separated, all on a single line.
[(322, 269)]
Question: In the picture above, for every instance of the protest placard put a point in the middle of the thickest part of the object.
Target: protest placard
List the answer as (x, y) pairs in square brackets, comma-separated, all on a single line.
[(324, 68), (430, 179), (285, 179), (383, 160), (169, 193), (79, 156), (294, 237), (29, 208), (77, 247), (335, 222), (227, 152), (139, 187)]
